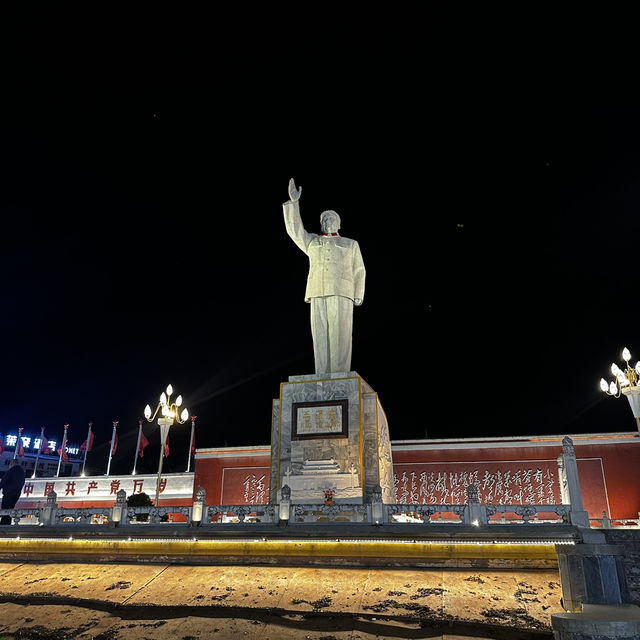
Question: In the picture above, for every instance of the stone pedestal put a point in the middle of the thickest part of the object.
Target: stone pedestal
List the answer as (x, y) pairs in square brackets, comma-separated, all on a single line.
[(598, 622), (594, 592), (592, 574), (329, 431)]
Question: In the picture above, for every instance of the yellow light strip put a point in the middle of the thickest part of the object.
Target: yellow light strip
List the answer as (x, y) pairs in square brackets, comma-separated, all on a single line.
[(346, 548)]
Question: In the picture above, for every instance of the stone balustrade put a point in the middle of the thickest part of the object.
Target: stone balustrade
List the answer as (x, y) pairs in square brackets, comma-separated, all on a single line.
[(376, 513)]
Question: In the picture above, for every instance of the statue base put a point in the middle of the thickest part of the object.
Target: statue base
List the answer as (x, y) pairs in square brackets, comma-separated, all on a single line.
[(329, 431)]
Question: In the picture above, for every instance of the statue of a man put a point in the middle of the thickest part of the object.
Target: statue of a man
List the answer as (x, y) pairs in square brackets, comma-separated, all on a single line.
[(335, 283)]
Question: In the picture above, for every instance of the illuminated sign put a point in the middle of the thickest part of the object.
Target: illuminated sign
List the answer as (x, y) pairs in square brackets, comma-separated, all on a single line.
[(33, 444)]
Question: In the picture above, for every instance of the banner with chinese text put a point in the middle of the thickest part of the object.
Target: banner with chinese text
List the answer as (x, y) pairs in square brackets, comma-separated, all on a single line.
[(72, 491)]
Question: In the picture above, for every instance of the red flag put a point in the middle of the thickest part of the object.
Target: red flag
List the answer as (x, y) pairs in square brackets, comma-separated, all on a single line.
[(193, 430), (63, 454), (166, 447), (1, 445), (44, 445), (83, 446), (20, 448), (115, 445), (143, 443)]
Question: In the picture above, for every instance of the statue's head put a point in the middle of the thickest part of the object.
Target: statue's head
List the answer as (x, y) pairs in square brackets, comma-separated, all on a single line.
[(329, 222)]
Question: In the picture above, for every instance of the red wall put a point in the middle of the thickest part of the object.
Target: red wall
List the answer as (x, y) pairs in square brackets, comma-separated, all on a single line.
[(244, 474), (608, 468)]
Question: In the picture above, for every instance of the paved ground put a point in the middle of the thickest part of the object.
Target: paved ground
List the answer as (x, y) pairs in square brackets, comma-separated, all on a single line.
[(122, 602)]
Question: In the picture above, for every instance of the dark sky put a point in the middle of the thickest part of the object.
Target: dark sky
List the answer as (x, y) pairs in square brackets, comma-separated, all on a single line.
[(144, 242)]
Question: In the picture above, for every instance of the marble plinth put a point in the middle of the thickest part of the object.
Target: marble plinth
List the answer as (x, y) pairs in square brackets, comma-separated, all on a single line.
[(329, 431), (315, 476)]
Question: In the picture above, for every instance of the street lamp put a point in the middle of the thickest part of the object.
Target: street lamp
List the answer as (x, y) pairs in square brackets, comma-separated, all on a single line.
[(168, 415), (625, 383)]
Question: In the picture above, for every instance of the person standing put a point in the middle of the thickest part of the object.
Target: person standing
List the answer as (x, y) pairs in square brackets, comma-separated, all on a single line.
[(11, 485), (334, 285)]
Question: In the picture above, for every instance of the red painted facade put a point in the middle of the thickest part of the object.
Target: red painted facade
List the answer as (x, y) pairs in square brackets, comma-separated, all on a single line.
[(506, 470)]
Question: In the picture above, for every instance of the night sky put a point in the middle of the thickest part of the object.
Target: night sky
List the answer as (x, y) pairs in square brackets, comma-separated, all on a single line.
[(144, 243)]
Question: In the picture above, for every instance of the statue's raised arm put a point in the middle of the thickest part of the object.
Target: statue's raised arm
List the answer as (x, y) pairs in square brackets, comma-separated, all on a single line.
[(294, 194), (334, 284), (293, 221)]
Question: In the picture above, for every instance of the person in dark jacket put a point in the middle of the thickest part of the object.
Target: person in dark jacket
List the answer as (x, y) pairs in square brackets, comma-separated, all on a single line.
[(11, 485)]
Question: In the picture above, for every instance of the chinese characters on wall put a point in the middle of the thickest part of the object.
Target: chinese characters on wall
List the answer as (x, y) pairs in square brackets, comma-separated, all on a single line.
[(255, 491), (319, 420), (245, 485), (533, 482)]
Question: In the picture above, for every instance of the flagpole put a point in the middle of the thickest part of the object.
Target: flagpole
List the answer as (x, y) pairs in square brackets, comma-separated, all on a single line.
[(35, 465), (18, 443), (135, 459), (86, 450), (193, 426), (113, 441), (64, 444)]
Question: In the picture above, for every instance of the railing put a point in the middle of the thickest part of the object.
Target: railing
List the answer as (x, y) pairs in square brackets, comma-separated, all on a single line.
[(529, 514), (200, 514), (238, 513), (615, 523), (318, 513)]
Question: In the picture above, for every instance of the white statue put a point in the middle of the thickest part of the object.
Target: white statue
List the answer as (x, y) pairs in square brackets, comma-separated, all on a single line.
[(335, 283)]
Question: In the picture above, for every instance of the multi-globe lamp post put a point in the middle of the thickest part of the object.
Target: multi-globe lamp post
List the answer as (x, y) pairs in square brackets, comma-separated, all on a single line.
[(625, 383), (169, 415)]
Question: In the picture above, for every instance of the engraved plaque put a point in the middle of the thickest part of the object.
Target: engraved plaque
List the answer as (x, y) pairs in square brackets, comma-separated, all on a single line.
[(328, 419)]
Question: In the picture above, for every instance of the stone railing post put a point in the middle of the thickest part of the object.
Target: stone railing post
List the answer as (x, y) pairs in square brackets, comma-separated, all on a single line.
[(48, 512), (119, 508), (199, 507), (578, 515), (284, 506), (377, 508), (562, 481), (474, 512)]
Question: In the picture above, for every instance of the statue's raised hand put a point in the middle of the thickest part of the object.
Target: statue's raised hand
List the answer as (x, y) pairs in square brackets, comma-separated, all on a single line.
[(294, 194)]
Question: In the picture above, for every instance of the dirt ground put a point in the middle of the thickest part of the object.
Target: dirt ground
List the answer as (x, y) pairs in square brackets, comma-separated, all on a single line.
[(178, 602)]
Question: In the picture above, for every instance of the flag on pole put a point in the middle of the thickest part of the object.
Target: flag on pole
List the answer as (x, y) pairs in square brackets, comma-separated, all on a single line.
[(143, 443), (44, 445), (115, 444), (85, 447), (1, 445), (193, 444), (19, 451), (63, 454), (166, 447)]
